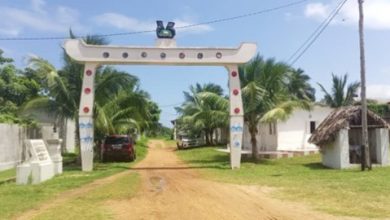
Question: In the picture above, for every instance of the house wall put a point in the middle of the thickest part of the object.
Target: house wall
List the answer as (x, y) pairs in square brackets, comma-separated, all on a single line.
[(294, 133), (336, 155), (382, 146), (268, 137), (266, 140), (246, 139)]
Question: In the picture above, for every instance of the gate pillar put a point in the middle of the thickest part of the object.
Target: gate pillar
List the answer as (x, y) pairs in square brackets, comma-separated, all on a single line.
[(86, 116), (236, 112)]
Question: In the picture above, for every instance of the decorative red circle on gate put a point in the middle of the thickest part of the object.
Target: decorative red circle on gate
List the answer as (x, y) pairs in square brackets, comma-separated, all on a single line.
[(235, 92), (236, 110), (87, 90), (88, 72), (234, 73), (86, 109)]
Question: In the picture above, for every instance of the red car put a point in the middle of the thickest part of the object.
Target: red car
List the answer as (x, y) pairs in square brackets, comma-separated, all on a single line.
[(118, 147)]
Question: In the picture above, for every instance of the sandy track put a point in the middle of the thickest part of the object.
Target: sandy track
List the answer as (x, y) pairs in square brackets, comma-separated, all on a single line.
[(69, 195), (172, 190)]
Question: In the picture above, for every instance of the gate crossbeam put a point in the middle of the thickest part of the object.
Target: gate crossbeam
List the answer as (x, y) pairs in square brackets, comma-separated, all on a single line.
[(164, 53)]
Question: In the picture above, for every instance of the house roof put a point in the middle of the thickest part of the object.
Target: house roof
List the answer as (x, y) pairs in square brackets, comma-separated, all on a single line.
[(340, 118)]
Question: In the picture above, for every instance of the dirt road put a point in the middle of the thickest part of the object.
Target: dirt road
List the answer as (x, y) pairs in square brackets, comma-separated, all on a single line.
[(172, 190)]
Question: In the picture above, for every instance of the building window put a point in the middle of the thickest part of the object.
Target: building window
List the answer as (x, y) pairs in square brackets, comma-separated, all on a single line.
[(272, 128), (312, 126)]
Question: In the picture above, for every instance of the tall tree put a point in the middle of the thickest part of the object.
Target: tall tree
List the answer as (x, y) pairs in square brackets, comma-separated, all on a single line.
[(205, 109), (299, 85), (64, 97), (15, 87), (266, 95), (340, 94)]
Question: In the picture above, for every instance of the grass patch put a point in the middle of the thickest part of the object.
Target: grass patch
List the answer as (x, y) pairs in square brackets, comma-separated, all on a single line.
[(340, 192), (15, 199), (7, 174), (91, 206)]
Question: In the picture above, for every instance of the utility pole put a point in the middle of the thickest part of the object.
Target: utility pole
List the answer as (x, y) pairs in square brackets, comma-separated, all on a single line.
[(366, 160)]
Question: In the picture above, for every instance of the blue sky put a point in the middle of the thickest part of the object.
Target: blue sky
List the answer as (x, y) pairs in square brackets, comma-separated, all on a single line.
[(278, 34)]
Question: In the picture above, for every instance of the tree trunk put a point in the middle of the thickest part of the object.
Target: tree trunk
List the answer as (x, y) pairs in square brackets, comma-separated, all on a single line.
[(207, 137), (77, 141), (253, 133), (216, 136), (366, 162), (211, 137)]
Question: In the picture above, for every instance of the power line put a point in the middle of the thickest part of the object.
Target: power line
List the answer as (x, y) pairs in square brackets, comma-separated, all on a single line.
[(316, 34), (150, 31), (312, 35)]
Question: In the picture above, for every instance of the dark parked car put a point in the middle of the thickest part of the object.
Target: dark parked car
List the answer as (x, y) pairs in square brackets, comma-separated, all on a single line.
[(118, 148)]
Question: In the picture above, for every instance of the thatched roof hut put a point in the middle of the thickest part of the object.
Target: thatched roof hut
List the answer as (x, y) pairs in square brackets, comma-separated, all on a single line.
[(345, 117)]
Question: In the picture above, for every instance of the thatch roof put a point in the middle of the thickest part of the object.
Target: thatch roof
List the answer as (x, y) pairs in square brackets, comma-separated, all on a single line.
[(343, 118)]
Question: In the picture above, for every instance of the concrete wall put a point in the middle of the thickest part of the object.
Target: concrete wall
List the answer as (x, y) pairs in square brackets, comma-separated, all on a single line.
[(382, 146), (69, 136), (336, 155), (12, 138), (294, 133), (268, 137), (66, 129)]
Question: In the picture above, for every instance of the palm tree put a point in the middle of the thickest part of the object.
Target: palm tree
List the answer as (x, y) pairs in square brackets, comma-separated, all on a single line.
[(340, 95), (266, 95), (64, 90), (125, 112), (299, 85), (204, 109), (208, 87)]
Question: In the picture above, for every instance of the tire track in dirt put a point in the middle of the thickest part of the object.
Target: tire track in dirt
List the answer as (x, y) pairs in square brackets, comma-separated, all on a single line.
[(69, 195), (172, 190)]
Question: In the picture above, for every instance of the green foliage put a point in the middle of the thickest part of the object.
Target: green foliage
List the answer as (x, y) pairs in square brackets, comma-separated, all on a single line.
[(4, 60), (380, 109), (16, 88), (204, 110), (271, 90), (298, 85), (340, 95), (120, 106), (12, 119)]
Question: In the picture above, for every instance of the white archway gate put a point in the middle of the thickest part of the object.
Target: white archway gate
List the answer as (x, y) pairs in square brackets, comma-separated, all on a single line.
[(164, 53)]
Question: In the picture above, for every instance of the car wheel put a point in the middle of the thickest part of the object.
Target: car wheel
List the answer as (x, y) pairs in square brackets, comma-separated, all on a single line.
[(132, 157)]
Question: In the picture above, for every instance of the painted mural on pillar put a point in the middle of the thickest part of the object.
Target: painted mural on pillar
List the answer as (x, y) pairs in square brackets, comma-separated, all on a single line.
[(86, 133)]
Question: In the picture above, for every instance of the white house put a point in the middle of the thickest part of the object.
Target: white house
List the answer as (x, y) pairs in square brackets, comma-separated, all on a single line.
[(291, 135)]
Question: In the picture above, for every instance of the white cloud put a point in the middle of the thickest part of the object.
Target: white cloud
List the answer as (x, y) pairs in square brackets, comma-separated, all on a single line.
[(38, 6), (123, 22), (15, 20), (381, 93), (317, 10), (126, 23), (377, 13), (10, 31)]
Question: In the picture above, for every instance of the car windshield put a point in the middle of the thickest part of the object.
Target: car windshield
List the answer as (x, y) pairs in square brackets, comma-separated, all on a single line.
[(116, 140)]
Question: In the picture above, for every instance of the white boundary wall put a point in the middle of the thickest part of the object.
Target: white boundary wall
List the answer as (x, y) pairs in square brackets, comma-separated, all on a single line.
[(11, 144)]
